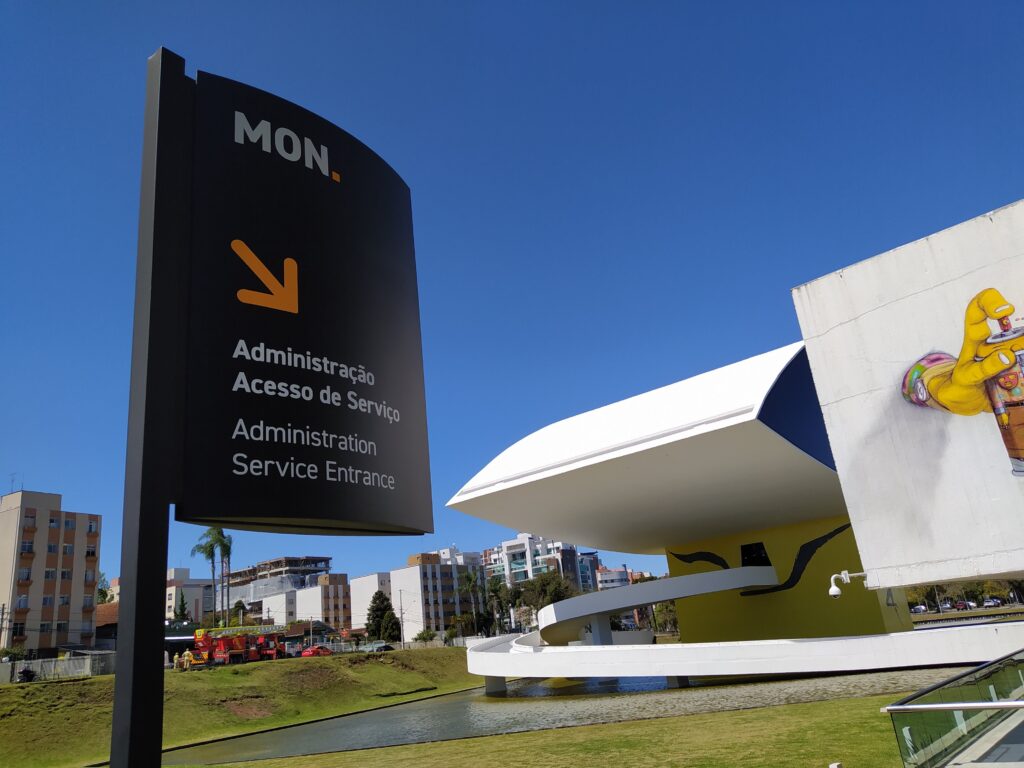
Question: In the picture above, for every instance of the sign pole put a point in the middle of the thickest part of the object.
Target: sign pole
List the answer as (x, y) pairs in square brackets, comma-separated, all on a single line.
[(153, 459)]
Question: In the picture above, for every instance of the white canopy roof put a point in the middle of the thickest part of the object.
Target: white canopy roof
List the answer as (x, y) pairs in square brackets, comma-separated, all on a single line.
[(678, 464)]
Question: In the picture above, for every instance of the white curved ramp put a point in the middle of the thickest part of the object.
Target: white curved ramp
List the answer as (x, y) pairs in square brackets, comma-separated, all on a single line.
[(527, 656), (561, 622)]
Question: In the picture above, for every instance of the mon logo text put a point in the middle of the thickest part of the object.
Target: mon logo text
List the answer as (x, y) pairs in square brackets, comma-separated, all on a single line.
[(285, 142)]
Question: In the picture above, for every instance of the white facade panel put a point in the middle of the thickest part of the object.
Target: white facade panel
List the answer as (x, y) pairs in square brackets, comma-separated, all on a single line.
[(362, 590), (928, 484)]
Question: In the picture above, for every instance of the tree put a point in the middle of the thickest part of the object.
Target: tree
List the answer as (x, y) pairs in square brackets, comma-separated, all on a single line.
[(238, 613), (469, 583), (380, 604), (390, 630), (103, 592), (207, 548), (545, 589), (181, 610), (464, 622), (498, 601), (425, 636), (666, 616), (224, 545)]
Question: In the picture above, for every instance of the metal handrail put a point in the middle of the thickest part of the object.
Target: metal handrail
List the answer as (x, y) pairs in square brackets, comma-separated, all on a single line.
[(960, 676), (963, 705)]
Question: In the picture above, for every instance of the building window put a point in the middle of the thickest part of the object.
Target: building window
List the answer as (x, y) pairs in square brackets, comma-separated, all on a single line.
[(26, 546), (47, 601), (86, 626), (62, 626), (50, 574), (18, 629), (90, 577), (69, 548), (93, 527), (21, 602), (45, 628), (24, 574), (55, 522), (65, 573), (69, 524), (64, 600), (30, 521), (90, 550), (51, 549), (87, 601)]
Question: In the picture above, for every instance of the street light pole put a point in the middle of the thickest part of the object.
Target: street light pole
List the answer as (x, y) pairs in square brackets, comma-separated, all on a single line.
[(401, 619)]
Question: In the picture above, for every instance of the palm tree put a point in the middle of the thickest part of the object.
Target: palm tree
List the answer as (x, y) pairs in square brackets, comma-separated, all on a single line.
[(470, 583), (225, 571), (210, 543), (208, 549)]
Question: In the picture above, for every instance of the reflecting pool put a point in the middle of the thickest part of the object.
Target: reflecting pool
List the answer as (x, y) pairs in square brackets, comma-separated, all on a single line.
[(532, 705)]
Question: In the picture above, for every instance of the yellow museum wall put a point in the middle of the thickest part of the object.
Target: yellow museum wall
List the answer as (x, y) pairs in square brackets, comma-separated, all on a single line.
[(805, 610)]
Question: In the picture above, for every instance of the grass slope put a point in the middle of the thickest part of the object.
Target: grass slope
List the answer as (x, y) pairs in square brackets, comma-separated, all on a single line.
[(851, 731), (47, 725)]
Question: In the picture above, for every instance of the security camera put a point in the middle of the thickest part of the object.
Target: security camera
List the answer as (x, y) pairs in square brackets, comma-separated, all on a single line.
[(835, 592)]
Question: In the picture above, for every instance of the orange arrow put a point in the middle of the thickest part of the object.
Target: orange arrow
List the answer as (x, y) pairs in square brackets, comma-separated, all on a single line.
[(283, 297)]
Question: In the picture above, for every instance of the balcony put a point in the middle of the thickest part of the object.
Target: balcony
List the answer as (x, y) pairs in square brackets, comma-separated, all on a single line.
[(91, 535), (90, 555), (19, 638), (26, 554), (20, 610), (29, 526), (88, 608), (24, 582)]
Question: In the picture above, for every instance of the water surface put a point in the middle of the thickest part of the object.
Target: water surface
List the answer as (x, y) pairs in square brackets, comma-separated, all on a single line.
[(539, 704)]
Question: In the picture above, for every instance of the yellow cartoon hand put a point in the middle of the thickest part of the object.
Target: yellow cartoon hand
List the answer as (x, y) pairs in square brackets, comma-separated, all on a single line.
[(961, 388)]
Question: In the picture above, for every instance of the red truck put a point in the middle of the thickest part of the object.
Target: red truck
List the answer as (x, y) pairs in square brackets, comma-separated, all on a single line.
[(234, 645)]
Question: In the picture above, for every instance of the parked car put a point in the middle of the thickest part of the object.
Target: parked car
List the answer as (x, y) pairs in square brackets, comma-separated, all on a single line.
[(318, 650), (966, 605), (946, 606), (377, 646), (992, 602), (919, 609)]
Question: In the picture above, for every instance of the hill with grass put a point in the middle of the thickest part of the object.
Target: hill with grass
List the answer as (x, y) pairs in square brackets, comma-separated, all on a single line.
[(65, 723)]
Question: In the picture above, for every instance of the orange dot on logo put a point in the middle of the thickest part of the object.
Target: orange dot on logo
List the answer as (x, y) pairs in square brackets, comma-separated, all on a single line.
[(335, 176)]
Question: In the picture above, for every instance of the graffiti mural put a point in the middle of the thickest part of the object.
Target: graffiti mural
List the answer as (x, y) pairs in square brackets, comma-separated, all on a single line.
[(986, 376)]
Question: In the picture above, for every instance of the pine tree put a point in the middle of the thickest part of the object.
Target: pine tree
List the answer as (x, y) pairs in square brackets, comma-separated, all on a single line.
[(390, 631), (181, 611), (380, 604)]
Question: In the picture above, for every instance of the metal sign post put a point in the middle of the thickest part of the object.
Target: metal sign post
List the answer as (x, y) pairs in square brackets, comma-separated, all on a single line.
[(277, 371), (153, 460)]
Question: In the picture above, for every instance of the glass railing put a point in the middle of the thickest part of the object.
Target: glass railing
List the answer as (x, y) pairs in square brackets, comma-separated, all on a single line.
[(965, 718)]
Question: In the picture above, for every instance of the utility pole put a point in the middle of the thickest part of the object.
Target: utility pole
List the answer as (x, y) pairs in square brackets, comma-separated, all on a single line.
[(401, 620)]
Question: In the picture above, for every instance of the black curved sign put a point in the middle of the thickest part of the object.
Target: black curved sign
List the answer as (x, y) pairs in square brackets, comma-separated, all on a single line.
[(304, 408)]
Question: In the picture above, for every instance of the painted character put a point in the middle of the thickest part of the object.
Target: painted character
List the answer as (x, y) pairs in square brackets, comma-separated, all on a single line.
[(986, 376)]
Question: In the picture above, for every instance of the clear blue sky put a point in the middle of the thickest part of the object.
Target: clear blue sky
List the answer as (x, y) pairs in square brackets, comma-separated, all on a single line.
[(608, 197)]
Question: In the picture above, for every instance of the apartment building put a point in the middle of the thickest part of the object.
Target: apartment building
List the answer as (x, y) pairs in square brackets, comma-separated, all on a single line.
[(287, 589), (198, 594), (527, 556), (328, 601), (427, 595), (363, 588), (588, 563), (48, 569)]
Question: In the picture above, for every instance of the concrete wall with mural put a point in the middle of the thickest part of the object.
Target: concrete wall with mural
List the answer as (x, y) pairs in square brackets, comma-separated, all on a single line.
[(804, 556), (916, 357)]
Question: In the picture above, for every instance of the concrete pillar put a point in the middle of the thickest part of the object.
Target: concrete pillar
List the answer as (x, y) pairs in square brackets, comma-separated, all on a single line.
[(493, 685), (600, 630), (677, 681)]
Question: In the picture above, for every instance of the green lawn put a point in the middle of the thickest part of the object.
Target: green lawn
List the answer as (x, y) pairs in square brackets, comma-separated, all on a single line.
[(851, 731), (48, 725)]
